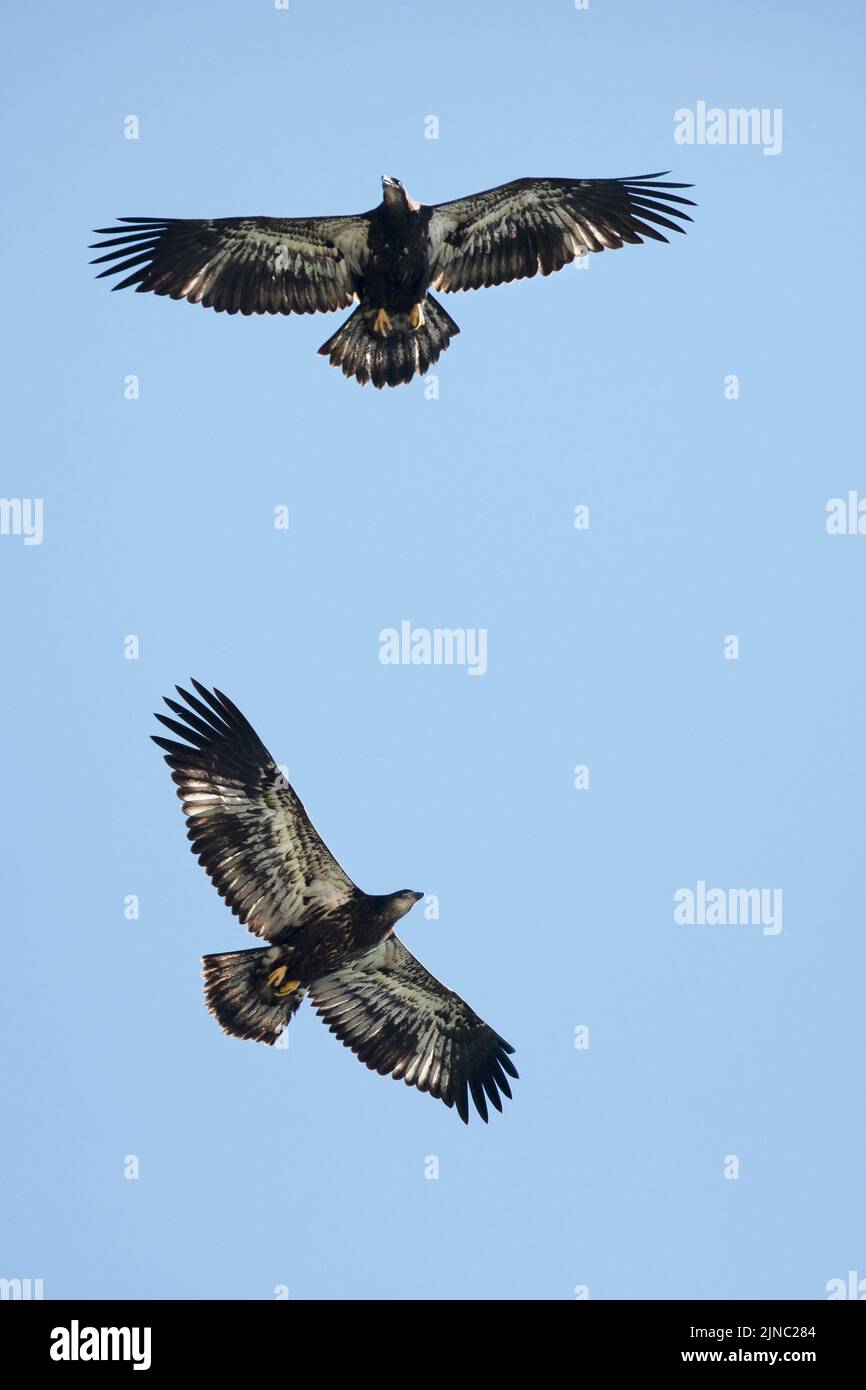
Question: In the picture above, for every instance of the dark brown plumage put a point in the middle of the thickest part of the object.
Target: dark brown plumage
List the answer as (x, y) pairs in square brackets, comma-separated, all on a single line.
[(326, 937), (389, 258)]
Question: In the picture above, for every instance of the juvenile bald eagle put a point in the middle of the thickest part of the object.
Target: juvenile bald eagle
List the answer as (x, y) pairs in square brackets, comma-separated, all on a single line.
[(388, 258), (326, 937)]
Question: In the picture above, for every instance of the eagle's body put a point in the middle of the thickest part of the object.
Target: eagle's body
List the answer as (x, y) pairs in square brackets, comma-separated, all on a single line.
[(397, 274), (388, 259), (331, 938), (326, 937)]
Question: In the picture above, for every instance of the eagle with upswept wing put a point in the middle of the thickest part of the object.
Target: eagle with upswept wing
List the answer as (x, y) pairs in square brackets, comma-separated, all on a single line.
[(388, 258), (326, 937)]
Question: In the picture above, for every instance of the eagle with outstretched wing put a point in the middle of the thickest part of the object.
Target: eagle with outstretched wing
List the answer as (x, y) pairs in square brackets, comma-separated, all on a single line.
[(388, 259), (326, 937)]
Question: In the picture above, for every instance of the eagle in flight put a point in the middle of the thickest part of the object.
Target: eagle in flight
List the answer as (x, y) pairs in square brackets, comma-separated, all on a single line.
[(388, 259), (326, 937)]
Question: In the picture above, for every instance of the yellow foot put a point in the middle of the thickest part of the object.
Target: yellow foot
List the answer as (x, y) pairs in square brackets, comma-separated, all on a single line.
[(416, 316), (382, 324), (275, 980)]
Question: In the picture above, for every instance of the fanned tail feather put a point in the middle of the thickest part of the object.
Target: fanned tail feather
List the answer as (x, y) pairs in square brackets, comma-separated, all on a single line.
[(238, 995), (391, 360)]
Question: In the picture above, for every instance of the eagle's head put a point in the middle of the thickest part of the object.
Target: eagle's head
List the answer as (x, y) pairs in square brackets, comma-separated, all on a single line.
[(392, 906), (395, 196)]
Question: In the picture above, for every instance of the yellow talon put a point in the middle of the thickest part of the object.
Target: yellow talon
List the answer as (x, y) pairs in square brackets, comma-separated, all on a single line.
[(416, 316), (382, 324), (275, 980)]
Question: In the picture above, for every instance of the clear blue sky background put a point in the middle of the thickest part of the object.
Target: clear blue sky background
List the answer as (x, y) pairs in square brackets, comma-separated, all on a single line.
[(605, 387)]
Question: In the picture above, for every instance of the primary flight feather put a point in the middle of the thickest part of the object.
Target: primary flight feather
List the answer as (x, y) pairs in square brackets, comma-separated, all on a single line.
[(327, 938), (388, 258)]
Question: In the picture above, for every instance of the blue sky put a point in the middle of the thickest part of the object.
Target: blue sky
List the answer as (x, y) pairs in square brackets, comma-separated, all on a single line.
[(602, 387)]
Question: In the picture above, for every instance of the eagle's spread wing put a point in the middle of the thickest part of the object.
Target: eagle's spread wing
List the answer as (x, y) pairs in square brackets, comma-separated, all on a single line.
[(398, 1019), (247, 826), (531, 225), (255, 265)]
